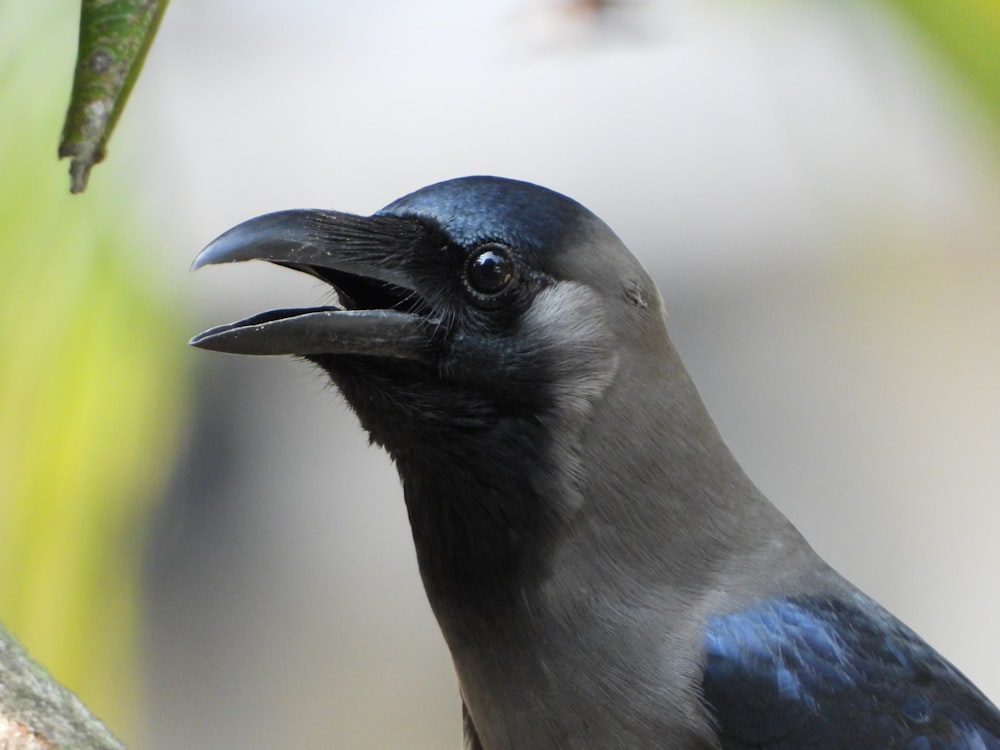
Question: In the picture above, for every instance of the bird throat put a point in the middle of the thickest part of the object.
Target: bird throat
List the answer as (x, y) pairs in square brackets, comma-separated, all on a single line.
[(482, 527)]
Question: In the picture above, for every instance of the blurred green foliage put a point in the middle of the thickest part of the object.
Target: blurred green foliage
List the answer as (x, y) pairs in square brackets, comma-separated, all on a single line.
[(967, 32), (91, 385)]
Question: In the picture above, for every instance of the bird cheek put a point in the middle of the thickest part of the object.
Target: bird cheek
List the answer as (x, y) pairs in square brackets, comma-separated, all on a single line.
[(497, 365), (567, 328)]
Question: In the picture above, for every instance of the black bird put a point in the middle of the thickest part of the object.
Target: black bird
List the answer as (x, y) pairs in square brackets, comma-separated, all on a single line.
[(604, 573)]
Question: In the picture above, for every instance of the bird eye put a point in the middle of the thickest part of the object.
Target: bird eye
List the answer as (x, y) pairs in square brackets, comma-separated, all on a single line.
[(490, 269)]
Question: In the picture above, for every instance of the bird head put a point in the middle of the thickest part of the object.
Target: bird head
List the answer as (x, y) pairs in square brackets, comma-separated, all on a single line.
[(461, 304), (484, 326)]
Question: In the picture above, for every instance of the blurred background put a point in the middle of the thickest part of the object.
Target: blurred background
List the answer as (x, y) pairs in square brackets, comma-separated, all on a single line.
[(205, 548)]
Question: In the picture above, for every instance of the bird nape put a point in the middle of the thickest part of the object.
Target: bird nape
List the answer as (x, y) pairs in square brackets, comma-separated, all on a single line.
[(605, 575)]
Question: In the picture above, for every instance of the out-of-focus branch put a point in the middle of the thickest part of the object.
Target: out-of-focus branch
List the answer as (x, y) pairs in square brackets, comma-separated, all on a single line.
[(115, 36), (37, 713)]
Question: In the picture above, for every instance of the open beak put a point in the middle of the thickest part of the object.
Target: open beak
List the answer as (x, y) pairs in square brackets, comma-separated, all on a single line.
[(365, 260)]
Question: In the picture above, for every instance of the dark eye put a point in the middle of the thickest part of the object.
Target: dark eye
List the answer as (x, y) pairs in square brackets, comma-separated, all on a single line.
[(490, 269)]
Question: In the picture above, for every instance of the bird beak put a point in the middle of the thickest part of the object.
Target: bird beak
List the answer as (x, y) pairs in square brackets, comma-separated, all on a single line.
[(363, 258)]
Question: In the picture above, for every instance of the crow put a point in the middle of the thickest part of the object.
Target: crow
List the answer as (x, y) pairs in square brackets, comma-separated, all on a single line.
[(604, 573)]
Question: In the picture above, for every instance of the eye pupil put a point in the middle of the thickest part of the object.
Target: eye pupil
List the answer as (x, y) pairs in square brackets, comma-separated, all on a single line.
[(490, 270)]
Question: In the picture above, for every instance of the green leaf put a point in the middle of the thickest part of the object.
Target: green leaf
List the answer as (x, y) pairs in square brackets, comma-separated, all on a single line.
[(115, 36)]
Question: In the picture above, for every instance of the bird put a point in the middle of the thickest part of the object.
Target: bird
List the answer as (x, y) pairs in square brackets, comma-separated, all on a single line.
[(603, 572)]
